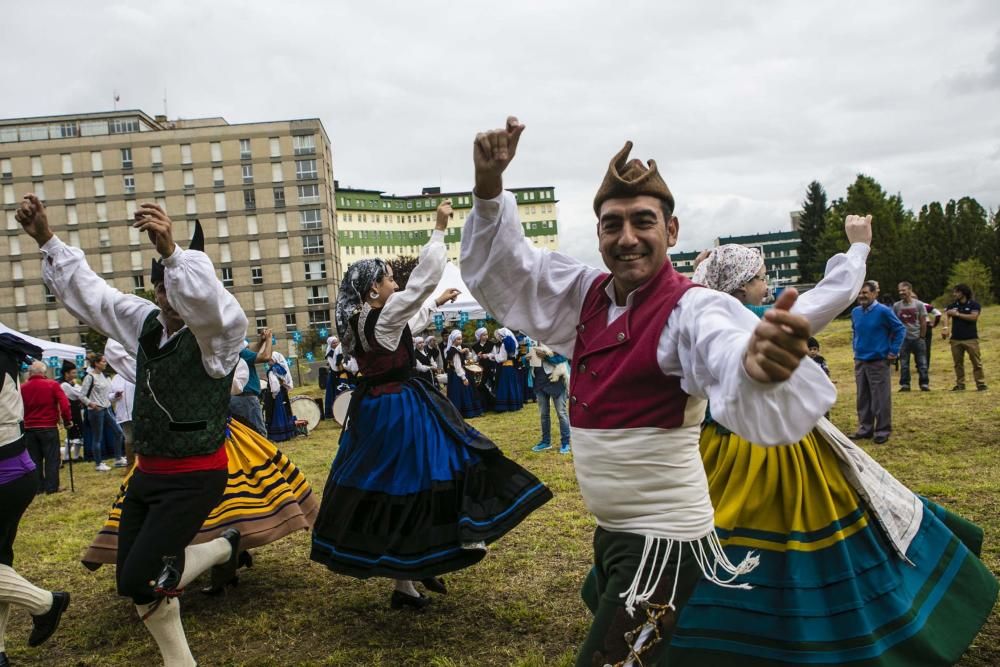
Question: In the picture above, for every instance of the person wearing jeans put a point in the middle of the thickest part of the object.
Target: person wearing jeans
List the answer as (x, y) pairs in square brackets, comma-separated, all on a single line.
[(913, 314), (95, 392), (549, 375)]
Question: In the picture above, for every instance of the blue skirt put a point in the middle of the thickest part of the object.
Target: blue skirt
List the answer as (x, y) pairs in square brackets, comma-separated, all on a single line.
[(413, 489), (280, 422), (464, 398), (510, 392)]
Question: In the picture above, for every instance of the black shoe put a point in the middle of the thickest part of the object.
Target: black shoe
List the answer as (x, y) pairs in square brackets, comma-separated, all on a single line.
[(435, 585), (881, 439), (4, 662), (904, 389), (924, 387), (45, 624), (958, 387), (245, 560), (400, 600), (980, 387), (170, 578), (225, 574), (861, 436)]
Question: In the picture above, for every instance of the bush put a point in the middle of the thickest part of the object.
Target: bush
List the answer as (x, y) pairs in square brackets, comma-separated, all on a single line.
[(973, 273)]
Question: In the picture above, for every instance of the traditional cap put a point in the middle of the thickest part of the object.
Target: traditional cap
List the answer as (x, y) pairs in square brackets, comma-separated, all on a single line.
[(631, 178), (197, 243)]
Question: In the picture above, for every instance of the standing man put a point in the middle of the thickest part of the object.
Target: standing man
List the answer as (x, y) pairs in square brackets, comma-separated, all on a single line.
[(913, 314), (44, 403), (548, 371), (877, 337), (122, 397), (186, 346), (648, 348), (962, 315), (247, 404)]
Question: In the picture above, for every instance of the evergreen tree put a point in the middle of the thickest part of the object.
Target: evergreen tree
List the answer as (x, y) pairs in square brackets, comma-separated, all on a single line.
[(812, 225), (973, 273), (927, 254), (402, 267)]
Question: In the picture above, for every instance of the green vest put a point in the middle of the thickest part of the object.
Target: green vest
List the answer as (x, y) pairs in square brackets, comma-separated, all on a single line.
[(179, 410)]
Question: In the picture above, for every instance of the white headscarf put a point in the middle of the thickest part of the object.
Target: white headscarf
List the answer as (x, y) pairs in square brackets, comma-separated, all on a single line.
[(331, 344), (279, 359), (419, 340), (502, 333), (729, 267), (454, 336), (479, 332)]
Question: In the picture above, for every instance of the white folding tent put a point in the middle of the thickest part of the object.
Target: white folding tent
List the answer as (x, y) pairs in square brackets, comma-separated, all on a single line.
[(49, 349), (452, 278)]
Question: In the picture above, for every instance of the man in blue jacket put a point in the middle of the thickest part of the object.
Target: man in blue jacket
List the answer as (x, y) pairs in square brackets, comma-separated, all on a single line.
[(878, 334)]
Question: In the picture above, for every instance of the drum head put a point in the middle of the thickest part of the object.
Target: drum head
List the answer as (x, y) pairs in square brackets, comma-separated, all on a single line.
[(340, 407), (442, 378), (474, 368), (305, 408)]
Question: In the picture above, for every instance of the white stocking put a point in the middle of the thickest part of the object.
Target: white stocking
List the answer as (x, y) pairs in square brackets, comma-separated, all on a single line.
[(4, 615), (406, 587), (200, 557), (15, 589), (165, 625)]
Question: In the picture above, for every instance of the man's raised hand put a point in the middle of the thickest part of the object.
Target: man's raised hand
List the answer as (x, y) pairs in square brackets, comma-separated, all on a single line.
[(31, 215), (444, 214), (151, 219), (449, 294), (778, 343), (492, 151), (858, 229)]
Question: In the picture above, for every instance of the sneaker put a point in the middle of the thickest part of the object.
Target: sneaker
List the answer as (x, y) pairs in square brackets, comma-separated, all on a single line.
[(101, 467), (541, 447), (980, 387), (904, 388), (958, 387), (564, 449), (121, 463)]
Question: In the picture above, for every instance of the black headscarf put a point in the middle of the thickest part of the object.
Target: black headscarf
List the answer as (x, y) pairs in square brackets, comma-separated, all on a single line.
[(358, 281)]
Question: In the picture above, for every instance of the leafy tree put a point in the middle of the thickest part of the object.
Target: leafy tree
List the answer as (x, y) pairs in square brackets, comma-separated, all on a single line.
[(928, 258), (976, 275), (812, 225), (402, 267)]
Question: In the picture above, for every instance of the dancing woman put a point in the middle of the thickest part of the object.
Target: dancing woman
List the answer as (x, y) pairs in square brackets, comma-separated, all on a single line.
[(413, 492), (854, 568)]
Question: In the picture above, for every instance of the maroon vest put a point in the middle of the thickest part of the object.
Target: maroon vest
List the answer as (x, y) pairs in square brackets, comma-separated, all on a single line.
[(616, 381), (378, 363)]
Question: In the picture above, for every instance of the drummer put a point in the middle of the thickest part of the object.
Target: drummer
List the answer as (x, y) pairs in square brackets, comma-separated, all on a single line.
[(461, 392)]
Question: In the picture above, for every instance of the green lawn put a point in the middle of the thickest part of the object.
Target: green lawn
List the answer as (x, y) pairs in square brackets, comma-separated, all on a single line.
[(520, 606)]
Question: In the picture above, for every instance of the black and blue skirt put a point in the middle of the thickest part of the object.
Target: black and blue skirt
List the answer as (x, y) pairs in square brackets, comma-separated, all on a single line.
[(464, 397), (510, 392), (415, 492), (280, 420)]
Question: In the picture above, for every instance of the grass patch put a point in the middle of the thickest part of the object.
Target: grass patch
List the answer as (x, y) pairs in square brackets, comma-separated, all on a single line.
[(520, 606)]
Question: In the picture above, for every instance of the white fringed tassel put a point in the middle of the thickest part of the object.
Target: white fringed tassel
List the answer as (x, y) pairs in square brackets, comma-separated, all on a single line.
[(642, 588), (710, 562)]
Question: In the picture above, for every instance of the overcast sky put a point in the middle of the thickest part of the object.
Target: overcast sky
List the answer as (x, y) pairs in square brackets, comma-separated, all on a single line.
[(741, 104)]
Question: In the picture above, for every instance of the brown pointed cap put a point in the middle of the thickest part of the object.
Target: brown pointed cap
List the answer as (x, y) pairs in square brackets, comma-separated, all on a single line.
[(631, 178)]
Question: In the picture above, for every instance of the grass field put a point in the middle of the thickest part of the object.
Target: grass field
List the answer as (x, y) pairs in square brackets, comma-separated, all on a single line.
[(521, 605)]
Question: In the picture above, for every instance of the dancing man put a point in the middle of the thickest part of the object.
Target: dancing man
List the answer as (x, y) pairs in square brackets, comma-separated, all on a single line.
[(647, 350), (186, 347)]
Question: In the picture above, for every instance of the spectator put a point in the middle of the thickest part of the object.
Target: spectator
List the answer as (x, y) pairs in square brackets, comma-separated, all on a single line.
[(933, 319), (814, 354), (44, 402), (549, 374), (94, 393), (122, 394), (74, 434), (913, 314), (962, 315), (877, 337)]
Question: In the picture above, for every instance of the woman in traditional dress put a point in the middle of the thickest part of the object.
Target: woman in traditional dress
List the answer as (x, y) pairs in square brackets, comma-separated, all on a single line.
[(277, 406), (854, 568), (74, 434), (414, 492), (510, 390), (331, 378), (462, 392), (266, 497)]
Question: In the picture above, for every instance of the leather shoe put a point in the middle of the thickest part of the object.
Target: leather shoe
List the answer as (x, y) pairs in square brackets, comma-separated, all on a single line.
[(225, 574), (881, 439), (45, 624), (435, 585), (861, 436), (400, 600)]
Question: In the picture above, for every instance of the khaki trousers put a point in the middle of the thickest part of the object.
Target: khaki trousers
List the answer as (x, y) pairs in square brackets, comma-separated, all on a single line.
[(958, 350)]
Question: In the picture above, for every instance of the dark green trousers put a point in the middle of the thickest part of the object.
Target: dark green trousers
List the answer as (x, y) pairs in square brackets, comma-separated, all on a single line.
[(616, 559)]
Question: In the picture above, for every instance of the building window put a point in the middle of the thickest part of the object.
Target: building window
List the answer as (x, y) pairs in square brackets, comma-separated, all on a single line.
[(280, 222), (308, 194), (317, 295), (315, 270), (123, 125), (319, 318), (218, 180), (275, 144), (304, 144), (188, 179), (254, 250), (5, 167), (222, 228), (257, 275), (67, 163), (138, 283), (279, 197), (104, 237), (252, 225), (288, 295), (8, 194), (19, 297), (220, 201), (126, 158), (36, 165), (107, 264), (277, 175), (258, 301), (102, 212), (38, 187), (129, 183), (312, 244), (261, 324), (53, 317), (49, 296), (286, 273), (69, 190), (185, 153), (248, 173), (290, 321), (190, 205), (216, 149), (244, 149), (17, 271), (310, 219), (249, 200), (225, 256), (136, 257), (98, 186), (283, 248), (158, 185), (96, 161), (305, 169), (156, 155), (74, 239), (71, 218), (227, 276)]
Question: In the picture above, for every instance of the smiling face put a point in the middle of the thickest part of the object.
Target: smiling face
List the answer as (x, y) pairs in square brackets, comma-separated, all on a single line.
[(633, 237), (905, 291), (385, 287), (756, 288), (867, 296)]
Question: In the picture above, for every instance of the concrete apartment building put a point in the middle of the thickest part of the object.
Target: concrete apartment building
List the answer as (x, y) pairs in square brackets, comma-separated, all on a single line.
[(262, 191), (371, 223)]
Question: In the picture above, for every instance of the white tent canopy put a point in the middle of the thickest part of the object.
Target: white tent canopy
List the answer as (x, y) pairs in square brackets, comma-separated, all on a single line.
[(452, 278), (49, 349)]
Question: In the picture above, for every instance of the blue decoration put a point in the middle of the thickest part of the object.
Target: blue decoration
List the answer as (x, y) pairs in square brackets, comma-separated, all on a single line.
[(322, 332), (274, 339), (54, 362), (463, 318), (79, 361), (296, 336), (310, 356), (438, 321)]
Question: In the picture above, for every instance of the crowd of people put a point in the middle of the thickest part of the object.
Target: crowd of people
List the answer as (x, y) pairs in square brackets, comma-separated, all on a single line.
[(734, 522)]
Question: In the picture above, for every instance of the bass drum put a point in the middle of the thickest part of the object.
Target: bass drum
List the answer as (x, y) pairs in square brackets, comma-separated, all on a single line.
[(306, 408), (340, 407)]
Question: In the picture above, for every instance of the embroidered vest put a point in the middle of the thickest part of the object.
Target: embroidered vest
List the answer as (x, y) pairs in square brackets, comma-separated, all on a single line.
[(179, 409)]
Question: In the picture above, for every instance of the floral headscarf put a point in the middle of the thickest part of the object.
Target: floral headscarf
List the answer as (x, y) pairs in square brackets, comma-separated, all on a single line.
[(357, 283), (729, 267)]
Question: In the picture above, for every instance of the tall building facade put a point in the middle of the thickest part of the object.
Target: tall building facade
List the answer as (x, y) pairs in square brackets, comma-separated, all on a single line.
[(371, 223), (262, 191), (780, 250)]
